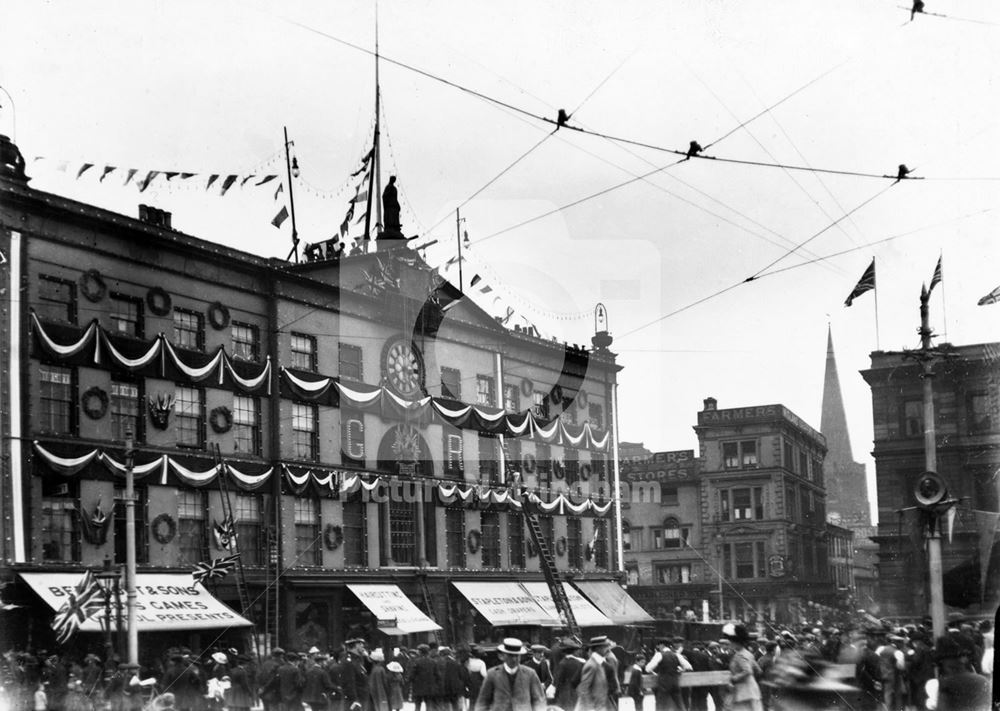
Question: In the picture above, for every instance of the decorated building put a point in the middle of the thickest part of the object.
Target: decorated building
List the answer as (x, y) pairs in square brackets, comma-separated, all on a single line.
[(367, 440), (967, 429)]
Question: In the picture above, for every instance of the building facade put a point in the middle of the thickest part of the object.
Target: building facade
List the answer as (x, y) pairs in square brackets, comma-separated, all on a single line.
[(967, 429), (740, 528), (347, 423)]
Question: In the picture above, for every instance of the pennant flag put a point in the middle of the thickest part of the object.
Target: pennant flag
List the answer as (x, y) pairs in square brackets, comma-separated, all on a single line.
[(486, 289), (267, 179), (281, 189), (866, 283), (360, 196), (244, 181), (216, 570), (83, 169), (108, 169), (85, 599), (225, 534), (131, 174), (280, 218), (185, 176), (228, 183), (211, 179), (991, 298), (475, 280), (171, 174), (936, 279), (364, 163), (147, 180)]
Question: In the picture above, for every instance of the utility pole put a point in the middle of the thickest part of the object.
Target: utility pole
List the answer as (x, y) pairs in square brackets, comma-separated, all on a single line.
[(130, 591)]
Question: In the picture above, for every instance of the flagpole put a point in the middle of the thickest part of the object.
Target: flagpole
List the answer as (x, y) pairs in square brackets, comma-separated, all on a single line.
[(944, 309), (291, 200), (458, 238), (372, 185), (875, 289)]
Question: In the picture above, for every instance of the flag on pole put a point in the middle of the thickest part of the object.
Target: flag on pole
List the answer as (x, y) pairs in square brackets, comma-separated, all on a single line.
[(85, 599), (216, 570), (865, 283), (991, 298), (280, 218), (936, 279)]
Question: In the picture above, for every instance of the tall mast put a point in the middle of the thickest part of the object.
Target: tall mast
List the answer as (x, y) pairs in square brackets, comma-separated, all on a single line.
[(375, 179)]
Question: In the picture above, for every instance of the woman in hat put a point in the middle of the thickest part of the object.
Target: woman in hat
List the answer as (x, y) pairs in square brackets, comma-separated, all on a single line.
[(394, 680), (743, 670)]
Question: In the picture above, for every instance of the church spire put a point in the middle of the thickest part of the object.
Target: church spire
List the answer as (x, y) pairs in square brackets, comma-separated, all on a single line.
[(833, 420)]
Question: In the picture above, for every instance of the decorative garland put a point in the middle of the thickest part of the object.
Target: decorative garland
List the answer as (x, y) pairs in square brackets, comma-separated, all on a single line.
[(95, 403), (92, 285), (158, 301), (556, 396), (473, 540), (582, 400), (561, 546), (164, 528), (333, 536), (221, 419), (527, 387), (218, 316)]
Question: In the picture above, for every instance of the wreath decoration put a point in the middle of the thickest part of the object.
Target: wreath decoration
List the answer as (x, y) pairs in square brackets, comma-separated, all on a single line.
[(527, 387), (556, 396), (92, 285), (95, 403), (221, 419), (218, 316), (558, 469), (561, 546), (585, 472), (582, 400), (164, 528), (158, 301), (333, 536), (473, 540)]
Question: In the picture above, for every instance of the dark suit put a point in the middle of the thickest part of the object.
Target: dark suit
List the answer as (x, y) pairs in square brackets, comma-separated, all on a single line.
[(454, 682), (511, 692), (316, 688), (668, 683), (565, 679), (542, 669), (424, 680), (354, 679)]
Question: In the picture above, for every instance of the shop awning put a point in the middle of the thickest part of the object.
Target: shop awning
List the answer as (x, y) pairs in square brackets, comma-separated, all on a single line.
[(609, 597), (505, 604), (586, 614), (166, 601), (396, 613)]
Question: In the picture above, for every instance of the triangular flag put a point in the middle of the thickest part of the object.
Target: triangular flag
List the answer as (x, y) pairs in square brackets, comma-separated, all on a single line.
[(83, 169), (131, 174), (280, 218), (147, 180), (360, 196), (171, 174), (475, 280), (228, 183), (936, 279), (486, 289), (185, 176), (108, 169), (281, 189), (267, 179), (991, 298), (244, 181), (211, 179)]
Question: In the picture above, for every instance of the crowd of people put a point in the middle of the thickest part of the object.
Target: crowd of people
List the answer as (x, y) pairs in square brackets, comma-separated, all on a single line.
[(887, 669)]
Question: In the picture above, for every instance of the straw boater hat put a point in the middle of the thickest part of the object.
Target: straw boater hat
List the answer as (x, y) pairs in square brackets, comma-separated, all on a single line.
[(220, 658), (601, 641), (511, 645)]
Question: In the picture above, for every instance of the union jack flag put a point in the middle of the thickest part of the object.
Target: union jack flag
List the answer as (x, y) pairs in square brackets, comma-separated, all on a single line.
[(217, 569), (86, 599)]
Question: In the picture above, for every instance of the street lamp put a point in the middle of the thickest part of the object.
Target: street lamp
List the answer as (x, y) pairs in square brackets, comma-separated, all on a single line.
[(130, 591), (108, 578)]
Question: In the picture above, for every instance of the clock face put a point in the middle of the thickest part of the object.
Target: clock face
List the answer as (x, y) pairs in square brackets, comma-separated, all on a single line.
[(404, 368)]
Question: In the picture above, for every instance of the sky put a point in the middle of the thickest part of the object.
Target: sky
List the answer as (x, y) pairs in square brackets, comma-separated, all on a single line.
[(851, 86)]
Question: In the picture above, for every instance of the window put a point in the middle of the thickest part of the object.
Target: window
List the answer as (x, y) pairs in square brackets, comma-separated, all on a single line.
[(352, 437), (673, 574), (56, 299), (350, 363), (977, 407), (515, 538), (141, 528), (246, 424), (817, 465), (126, 315), (189, 330), (632, 572), (60, 534), (305, 432), (745, 560), (454, 462), (246, 342), (742, 503), (247, 514), (793, 555), (789, 456), (626, 536), (355, 533), (668, 495), (571, 461), (489, 462), (451, 383), (57, 393), (485, 390), (189, 416), (595, 415), (913, 418), (511, 398), (804, 465), (808, 559), (805, 507), (791, 512), (402, 532), (308, 548), (512, 456), (574, 540), (191, 528), (672, 535), (304, 352), (540, 405), (454, 535), (489, 526), (126, 404), (601, 543), (737, 455), (543, 464)]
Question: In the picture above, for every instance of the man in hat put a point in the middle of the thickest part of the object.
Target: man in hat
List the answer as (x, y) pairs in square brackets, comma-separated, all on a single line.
[(666, 664), (594, 693), (354, 675), (267, 690), (540, 663), (288, 680), (423, 679), (511, 686), (567, 674), (317, 684), (958, 686), (454, 680), (868, 670)]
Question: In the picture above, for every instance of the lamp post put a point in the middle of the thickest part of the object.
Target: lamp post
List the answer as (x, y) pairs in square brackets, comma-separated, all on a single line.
[(108, 578), (130, 592)]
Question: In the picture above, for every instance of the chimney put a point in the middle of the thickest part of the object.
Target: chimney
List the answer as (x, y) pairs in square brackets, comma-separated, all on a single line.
[(710, 404), (154, 216)]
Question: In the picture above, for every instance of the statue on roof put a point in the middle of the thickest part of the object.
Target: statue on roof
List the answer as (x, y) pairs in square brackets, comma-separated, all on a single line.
[(390, 211)]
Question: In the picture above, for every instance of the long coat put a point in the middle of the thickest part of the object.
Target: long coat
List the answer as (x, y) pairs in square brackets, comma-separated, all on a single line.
[(498, 693), (565, 679), (378, 687), (592, 693)]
